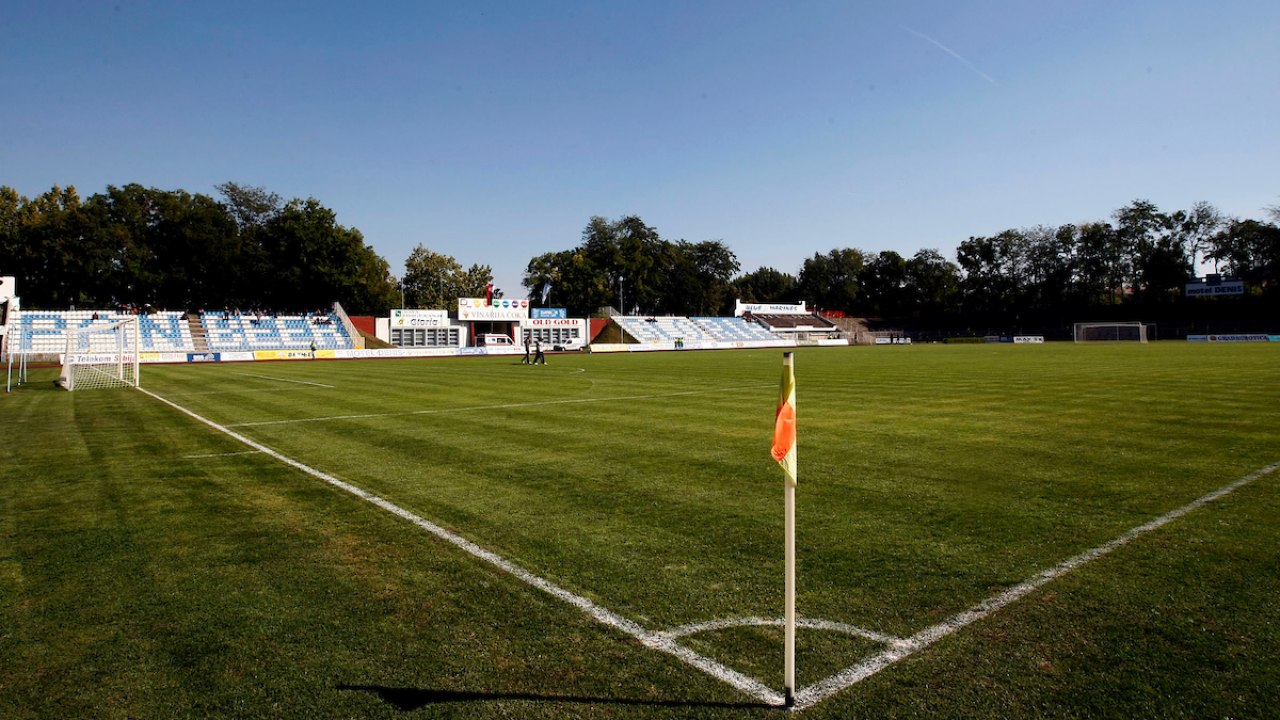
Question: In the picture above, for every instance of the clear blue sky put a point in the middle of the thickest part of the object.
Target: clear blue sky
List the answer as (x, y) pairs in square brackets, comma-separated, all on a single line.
[(493, 130)]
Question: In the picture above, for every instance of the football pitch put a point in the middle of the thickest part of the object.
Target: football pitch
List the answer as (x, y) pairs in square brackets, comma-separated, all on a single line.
[(983, 531)]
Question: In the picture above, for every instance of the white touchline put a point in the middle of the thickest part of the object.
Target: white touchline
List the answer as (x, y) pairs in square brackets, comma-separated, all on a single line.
[(217, 455), (476, 408), (655, 640), (280, 379), (809, 696)]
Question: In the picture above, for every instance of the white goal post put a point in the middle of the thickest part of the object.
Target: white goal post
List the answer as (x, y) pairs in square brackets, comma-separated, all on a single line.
[(1132, 331), (102, 356)]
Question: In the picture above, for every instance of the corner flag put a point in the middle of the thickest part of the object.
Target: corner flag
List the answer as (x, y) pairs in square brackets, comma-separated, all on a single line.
[(784, 427), (784, 451)]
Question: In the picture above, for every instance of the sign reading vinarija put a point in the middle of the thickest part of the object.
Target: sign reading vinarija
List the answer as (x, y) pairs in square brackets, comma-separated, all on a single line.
[(500, 310)]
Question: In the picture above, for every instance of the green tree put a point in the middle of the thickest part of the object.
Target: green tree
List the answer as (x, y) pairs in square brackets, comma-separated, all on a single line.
[(1250, 250), (10, 228), (249, 205), (1159, 260), (436, 281), (765, 285), (830, 281), (566, 279), (996, 270), (627, 252), (314, 261), (882, 285), (695, 277), (1100, 264), (932, 286), (1050, 265), (50, 252), (1197, 228)]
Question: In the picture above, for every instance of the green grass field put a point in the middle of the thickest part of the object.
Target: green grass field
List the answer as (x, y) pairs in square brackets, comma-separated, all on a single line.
[(154, 566)]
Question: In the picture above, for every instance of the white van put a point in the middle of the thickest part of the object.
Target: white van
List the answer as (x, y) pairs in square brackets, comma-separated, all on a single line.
[(494, 340)]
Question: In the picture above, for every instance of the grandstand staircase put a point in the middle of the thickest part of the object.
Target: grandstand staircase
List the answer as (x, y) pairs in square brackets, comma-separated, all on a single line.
[(854, 328), (199, 336)]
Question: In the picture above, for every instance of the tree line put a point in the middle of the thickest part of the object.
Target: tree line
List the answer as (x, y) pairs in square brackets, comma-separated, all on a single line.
[(1134, 266), (141, 246), (626, 265), (250, 248)]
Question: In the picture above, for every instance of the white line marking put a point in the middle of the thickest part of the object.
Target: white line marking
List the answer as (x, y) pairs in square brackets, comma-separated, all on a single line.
[(810, 696), (807, 697), (657, 641), (280, 379), (218, 455), (809, 623), (502, 406)]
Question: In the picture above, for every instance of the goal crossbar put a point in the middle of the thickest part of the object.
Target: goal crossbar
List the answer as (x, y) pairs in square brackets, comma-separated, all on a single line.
[(102, 356), (1129, 331)]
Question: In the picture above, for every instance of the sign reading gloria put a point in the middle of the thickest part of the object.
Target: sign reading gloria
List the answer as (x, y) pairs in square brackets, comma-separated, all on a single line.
[(419, 318), (501, 309)]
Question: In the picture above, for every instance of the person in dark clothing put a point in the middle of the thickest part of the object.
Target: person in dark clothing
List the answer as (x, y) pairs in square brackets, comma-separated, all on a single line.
[(526, 360)]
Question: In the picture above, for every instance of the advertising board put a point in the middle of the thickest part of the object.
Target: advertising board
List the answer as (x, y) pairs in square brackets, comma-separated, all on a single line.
[(478, 309), (411, 318)]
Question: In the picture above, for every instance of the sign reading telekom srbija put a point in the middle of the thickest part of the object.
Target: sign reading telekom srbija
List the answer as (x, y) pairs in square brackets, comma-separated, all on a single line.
[(480, 309), (419, 318)]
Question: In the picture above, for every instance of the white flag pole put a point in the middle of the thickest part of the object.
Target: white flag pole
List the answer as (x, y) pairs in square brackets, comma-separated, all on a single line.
[(786, 428), (790, 641)]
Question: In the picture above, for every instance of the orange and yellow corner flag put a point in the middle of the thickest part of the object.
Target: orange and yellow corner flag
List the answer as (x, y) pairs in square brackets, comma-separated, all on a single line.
[(784, 426)]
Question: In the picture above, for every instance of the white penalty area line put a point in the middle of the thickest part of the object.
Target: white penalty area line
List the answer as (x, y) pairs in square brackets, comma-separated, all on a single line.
[(655, 640), (287, 380), (500, 406), (813, 694)]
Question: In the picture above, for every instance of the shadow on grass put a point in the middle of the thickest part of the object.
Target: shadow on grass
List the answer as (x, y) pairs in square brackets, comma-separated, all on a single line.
[(407, 699)]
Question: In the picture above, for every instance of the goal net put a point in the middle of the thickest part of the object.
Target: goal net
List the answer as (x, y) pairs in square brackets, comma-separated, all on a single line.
[(1111, 332), (101, 356)]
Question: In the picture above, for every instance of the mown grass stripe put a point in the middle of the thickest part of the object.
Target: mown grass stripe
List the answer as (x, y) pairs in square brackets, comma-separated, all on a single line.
[(810, 696), (477, 408), (656, 641)]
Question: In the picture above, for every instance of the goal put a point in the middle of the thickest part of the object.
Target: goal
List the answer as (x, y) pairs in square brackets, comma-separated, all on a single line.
[(1111, 332), (101, 356)]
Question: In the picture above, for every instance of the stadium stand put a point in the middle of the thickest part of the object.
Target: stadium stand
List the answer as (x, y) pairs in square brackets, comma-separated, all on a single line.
[(810, 321), (168, 331), (46, 331), (662, 329), (732, 329), (228, 332)]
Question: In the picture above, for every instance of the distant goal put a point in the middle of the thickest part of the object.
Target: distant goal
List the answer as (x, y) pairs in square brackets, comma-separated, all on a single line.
[(1111, 332), (102, 356)]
